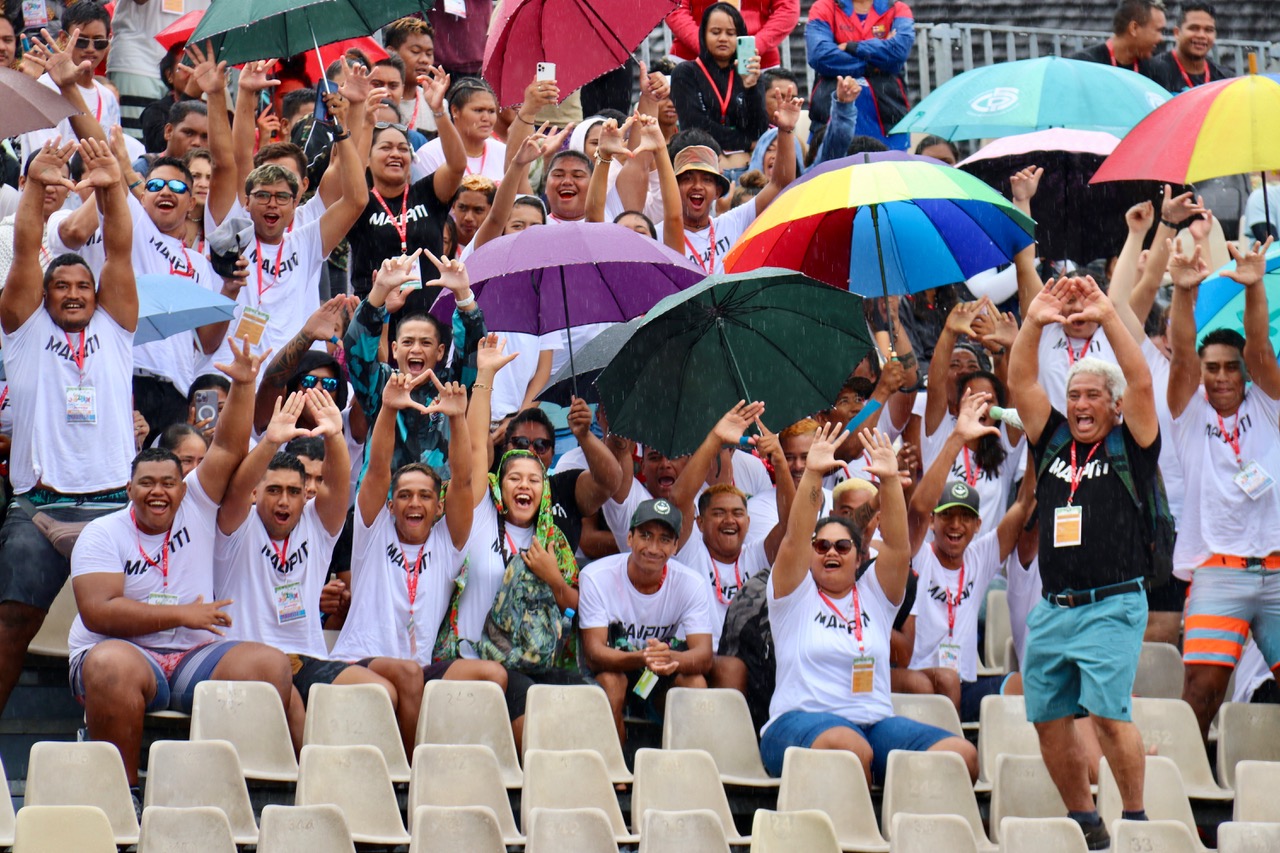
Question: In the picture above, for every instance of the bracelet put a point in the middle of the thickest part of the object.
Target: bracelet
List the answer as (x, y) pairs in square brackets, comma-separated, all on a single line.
[(480, 386), (438, 114), (600, 159), (341, 136), (465, 303), (133, 186), (521, 118), (1176, 226), (1001, 351)]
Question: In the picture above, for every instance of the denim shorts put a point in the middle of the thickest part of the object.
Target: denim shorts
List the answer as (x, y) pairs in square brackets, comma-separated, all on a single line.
[(802, 728), (1223, 606), (177, 672)]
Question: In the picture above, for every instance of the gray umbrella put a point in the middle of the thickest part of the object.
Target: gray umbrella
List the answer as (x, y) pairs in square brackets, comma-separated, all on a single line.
[(590, 360)]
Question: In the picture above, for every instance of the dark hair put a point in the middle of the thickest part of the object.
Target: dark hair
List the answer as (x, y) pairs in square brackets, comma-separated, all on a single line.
[(665, 64), (534, 202), (750, 183), (653, 229), (739, 25), (208, 382), (865, 144), (570, 152), (463, 90), (1134, 12), (378, 131), (177, 433), (531, 415), (398, 31), (393, 60), (66, 259), (1225, 337), (450, 231), (423, 317), (277, 150), (293, 103), (610, 113), (285, 461), (773, 75), (31, 158), (1157, 323), (170, 61), (819, 134), (846, 523), (172, 163), (309, 446), (182, 109), (420, 467), (990, 454), (197, 154), (477, 184), (315, 360), (82, 13), (1198, 6), (153, 454), (930, 141), (692, 136)]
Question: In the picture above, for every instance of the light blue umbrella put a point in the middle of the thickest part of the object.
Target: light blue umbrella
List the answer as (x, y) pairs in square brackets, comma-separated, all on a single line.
[(1035, 94), (1220, 302), (171, 304)]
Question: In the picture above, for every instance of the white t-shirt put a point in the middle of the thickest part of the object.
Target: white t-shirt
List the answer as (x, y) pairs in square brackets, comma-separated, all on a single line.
[(511, 382), (993, 492), (1218, 517), (726, 228), (378, 621), (1024, 593), (558, 343), (618, 515), (283, 282), (273, 602), (935, 586), (93, 252), (110, 545), (680, 608), (304, 214), (1170, 465), (6, 410), (572, 460), (101, 103), (731, 576), (1055, 361), (487, 553), (134, 49), (93, 452), (815, 649), (491, 164), (763, 508)]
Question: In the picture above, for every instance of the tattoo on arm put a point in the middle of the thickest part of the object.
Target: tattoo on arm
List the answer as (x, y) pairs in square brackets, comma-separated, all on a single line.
[(283, 366), (908, 360), (815, 495)]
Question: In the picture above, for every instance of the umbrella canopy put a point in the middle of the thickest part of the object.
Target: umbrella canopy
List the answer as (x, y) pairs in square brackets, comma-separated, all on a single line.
[(594, 357), (885, 227), (170, 304), (769, 335), (331, 52), (180, 30), (584, 39), (29, 105), (1220, 301), (1035, 94)]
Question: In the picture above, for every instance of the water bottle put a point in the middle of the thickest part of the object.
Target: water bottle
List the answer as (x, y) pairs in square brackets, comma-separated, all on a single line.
[(566, 629), (1007, 416)]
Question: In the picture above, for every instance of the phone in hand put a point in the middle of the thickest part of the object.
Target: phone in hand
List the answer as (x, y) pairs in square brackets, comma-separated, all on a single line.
[(207, 407), (323, 88), (746, 50), (546, 71)]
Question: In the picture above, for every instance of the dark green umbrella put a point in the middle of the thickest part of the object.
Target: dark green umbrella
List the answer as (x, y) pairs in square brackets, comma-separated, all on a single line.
[(770, 335)]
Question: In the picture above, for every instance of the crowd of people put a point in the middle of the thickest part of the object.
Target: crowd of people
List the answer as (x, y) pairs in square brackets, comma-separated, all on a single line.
[(222, 497)]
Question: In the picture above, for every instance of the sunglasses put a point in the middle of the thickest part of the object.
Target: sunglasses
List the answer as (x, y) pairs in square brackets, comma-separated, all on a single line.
[(391, 125), (539, 445), (264, 197), (83, 43), (328, 383), (155, 185), (842, 546)]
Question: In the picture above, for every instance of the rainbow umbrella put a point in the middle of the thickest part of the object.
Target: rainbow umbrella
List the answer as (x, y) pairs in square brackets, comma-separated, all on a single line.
[(1220, 301)]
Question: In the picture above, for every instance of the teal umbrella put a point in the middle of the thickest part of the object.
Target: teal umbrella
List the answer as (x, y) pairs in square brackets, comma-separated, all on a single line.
[(1035, 94), (1220, 301), (771, 335)]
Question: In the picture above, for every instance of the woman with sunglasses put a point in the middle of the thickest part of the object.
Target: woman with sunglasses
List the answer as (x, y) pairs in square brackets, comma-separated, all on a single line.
[(831, 626), (474, 111)]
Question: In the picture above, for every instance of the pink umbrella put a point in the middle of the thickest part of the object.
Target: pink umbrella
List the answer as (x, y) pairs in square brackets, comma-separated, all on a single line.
[(330, 52), (180, 30)]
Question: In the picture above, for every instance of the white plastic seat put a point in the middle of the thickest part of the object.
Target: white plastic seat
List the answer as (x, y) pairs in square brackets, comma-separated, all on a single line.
[(998, 629), (674, 779), (1246, 732), (930, 783), (43, 829), (51, 639), (832, 781), (355, 779), (83, 774), (1041, 835), (928, 708), (691, 831), (574, 717), (250, 716), (789, 832), (203, 828), (470, 712), (917, 833), (455, 775), (1240, 837), (304, 829), (350, 714), (719, 722), (1023, 788), (186, 774), (570, 831), (1003, 729), (450, 829), (1160, 672), (1171, 727), (1157, 836), (1257, 783), (570, 779), (7, 817), (1163, 796)]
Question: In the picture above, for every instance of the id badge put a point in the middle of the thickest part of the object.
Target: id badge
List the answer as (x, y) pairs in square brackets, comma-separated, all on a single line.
[(1253, 480), (165, 599), (864, 674), (253, 323), (1068, 526), (289, 605), (457, 8), (81, 405), (35, 13), (644, 686), (172, 7), (949, 656)]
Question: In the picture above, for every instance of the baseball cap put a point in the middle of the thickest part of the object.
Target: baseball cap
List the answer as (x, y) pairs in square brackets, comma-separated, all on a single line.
[(957, 493), (700, 158), (657, 510)]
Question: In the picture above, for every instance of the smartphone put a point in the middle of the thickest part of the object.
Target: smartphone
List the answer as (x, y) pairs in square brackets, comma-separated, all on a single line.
[(207, 407), (323, 88), (746, 50), (546, 71)]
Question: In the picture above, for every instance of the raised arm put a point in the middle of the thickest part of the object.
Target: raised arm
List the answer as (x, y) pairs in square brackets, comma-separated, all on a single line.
[(785, 491), (1014, 520), (338, 218), (490, 358), (324, 324), (211, 77), (23, 293), (1184, 365), (968, 427), (372, 495), (252, 83), (603, 473), (1139, 395), (117, 286), (1259, 355), (893, 561), (784, 167), (1139, 218), (653, 142), (612, 147), (358, 93), (231, 438), (448, 177), (792, 562), (728, 430), (451, 401), (1176, 212), (65, 73), (533, 146), (1024, 362), (334, 495), (959, 322), (283, 427), (1022, 188)]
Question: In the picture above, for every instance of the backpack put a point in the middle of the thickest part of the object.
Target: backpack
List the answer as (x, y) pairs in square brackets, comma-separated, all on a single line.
[(1159, 532)]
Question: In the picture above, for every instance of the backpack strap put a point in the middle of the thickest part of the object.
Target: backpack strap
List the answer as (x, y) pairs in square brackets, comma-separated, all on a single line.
[(1118, 459), (1060, 439)]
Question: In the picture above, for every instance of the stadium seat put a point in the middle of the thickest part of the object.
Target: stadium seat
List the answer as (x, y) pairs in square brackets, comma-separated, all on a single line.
[(788, 832), (1246, 732), (926, 708), (1240, 837), (1041, 835), (832, 781), (351, 714), (569, 831), (1257, 784), (930, 783), (470, 712), (202, 828), (1003, 729), (83, 774), (42, 829), (574, 717), (450, 829), (304, 829), (570, 779), (6, 813), (250, 716), (1160, 672), (1163, 796), (1159, 836), (719, 722), (692, 831), (1170, 726), (186, 774), (674, 779), (355, 779), (455, 775), (51, 639), (998, 629), (1023, 788), (917, 833)]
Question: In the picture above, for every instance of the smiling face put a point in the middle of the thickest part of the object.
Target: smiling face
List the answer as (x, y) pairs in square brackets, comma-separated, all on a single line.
[(390, 157), (1091, 410), (1146, 38), (796, 450), (832, 571), (280, 498), (168, 210), (272, 216), (70, 297), (522, 483), (468, 212), (415, 505), (537, 436), (1222, 372), (722, 37), (155, 491), (724, 525), (8, 42), (477, 118), (698, 193), (659, 472), (417, 347), (953, 530), (652, 545), (592, 142), (567, 188), (1197, 35)]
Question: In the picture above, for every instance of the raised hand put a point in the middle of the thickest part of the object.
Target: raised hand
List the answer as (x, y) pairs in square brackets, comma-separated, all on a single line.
[(450, 399), (34, 60), (753, 71), (355, 86), (996, 330), (541, 562), (396, 394), (1050, 302), (208, 74), (1251, 265), (490, 355), (768, 445), (101, 170), (1187, 271), (1095, 306), (1024, 184), (960, 318), (283, 426), (49, 166), (325, 323), (653, 84), (651, 138), (734, 423), (847, 89), (324, 411), (435, 83), (579, 418), (1202, 227), (254, 76), (396, 273), (884, 459), (58, 63), (822, 453), (268, 123), (1140, 217), (532, 147), (1178, 209), (453, 275), (244, 364), (539, 94), (969, 425), (613, 139), (198, 616), (788, 114)]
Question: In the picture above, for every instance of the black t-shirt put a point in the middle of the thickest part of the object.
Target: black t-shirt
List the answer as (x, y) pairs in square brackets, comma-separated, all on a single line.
[(1099, 53), (374, 237), (1164, 70), (1112, 548), (564, 505)]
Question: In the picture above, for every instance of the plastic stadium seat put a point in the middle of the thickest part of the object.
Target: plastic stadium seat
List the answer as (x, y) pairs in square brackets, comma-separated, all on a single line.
[(930, 783), (998, 629), (304, 829), (673, 779), (250, 716), (931, 709), (693, 831), (719, 722), (452, 775), (470, 712), (1237, 837), (1163, 796), (1160, 672), (574, 717), (42, 829), (1023, 788), (83, 774), (1158, 836), (1003, 729), (1171, 727), (789, 832), (7, 817), (1041, 835), (916, 833), (570, 779), (185, 774), (202, 828), (355, 779), (832, 781), (51, 639), (450, 829), (351, 714), (1256, 785), (569, 831), (1246, 732)]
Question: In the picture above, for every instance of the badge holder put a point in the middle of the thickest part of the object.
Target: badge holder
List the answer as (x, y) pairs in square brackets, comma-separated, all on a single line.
[(864, 674), (1068, 526)]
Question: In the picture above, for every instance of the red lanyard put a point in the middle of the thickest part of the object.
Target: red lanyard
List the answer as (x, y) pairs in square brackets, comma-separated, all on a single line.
[(952, 601), (715, 567), (709, 266), (1183, 71), (4, 395), (857, 615), (1072, 358), (1112, 53), (413, 119), (970, 473), (97, 114), (275, 278), (77, 352), (1232, 438), (411, 575), (401, 223), (466, 168), (191, 270), (728, 96), (163, 565), (282, 553), (1077, 474)]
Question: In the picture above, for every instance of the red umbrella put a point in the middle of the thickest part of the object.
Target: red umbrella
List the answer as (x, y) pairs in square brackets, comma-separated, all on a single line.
[(331, 52), (583, 38), (180, 30)]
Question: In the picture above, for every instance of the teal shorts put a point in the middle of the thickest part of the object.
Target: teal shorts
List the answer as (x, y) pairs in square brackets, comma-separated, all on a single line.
[(1083, 659)]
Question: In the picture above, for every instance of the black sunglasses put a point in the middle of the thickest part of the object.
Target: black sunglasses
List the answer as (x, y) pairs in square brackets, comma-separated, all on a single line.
[(328, 383), (842, 546), (539, 445), (82, 43), (155, 185)]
